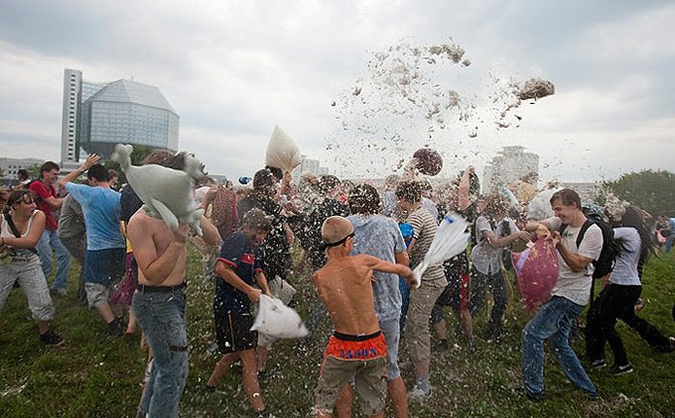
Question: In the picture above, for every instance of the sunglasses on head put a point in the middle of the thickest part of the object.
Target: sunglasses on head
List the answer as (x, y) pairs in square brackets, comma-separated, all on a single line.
[(27, 199)]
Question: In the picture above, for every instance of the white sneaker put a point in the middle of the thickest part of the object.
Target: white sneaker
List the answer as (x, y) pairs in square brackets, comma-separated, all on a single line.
[(417, 394)]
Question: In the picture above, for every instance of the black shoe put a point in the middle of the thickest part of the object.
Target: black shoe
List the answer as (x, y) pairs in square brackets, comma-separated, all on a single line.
[(598, 364), (115, 328), (534, 397), (617, 370), (51, 338)]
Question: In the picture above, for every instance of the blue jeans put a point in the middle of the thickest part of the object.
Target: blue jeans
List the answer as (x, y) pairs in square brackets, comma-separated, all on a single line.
[(49, 240), (552, 322), (392, 334), (669, 241), (162, 318)]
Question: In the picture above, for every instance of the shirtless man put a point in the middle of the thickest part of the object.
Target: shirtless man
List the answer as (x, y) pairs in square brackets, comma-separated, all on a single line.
[(159, 304), (357, 348)]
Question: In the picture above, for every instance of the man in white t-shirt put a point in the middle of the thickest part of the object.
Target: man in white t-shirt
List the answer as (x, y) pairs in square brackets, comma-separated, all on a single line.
[(568, 298)]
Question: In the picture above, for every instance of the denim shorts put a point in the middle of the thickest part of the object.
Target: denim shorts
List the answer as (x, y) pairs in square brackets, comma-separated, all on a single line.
[(105, 266)]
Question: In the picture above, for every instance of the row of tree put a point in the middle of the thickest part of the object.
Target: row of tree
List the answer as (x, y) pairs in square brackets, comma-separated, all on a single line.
[(653, 191)]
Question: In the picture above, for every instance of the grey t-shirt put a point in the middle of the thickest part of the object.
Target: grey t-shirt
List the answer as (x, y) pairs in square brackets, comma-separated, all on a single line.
[(71, 220), (484, 257), (626, 267), (380, 236), (576, 286)]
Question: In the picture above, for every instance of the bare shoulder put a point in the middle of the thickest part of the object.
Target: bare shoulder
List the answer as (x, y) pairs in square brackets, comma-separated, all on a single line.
[(142, 222), (38, 215), (366, 260)]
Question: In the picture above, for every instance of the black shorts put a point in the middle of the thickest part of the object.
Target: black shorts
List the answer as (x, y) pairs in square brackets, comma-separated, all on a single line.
[(233, 332)]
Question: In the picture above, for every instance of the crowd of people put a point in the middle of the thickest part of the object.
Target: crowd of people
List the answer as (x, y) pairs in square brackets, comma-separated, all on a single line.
[(358, 245)]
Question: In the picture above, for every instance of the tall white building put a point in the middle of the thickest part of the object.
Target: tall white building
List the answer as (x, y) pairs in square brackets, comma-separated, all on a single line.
[(511, 164), (72, 98)]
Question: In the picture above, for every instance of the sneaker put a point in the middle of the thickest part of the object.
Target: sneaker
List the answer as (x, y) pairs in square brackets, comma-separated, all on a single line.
[(51, 338), (617, 370), (417, 394), (534, 397), (598, 364)]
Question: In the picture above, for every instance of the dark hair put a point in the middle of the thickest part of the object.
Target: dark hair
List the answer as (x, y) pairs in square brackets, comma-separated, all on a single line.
[(257, 220), (567, 196), (364, 199), (328, 182), (276, 172), (98, 172), (263, 179), (409, 190), (15, 196), (48, 166), (634, 218), (22, 174)]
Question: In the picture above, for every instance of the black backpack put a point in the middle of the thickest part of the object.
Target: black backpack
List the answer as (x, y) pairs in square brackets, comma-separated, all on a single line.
[(605, 262)]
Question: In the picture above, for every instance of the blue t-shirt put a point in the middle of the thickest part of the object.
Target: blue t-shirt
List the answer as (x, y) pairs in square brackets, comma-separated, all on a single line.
[(380, 236), (101, 209), (407, 232), (242, 257)]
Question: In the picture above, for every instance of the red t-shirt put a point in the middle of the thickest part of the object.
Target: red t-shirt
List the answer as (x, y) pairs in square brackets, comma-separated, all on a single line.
[(42, 191)]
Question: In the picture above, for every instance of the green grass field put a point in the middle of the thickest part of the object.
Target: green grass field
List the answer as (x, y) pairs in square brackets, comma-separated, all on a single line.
[(97, 376)]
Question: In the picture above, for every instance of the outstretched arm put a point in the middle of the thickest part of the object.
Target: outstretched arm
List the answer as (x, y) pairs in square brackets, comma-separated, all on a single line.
[(497, 242), (90, 161), (385, 266)]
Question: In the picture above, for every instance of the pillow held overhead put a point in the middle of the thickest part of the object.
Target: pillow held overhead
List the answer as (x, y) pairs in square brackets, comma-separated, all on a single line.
[(282, 152)]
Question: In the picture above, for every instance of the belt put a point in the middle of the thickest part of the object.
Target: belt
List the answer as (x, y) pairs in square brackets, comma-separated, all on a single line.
[(159, 289)]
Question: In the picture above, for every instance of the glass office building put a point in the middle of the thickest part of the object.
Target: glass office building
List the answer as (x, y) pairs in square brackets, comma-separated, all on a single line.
[(122, 111)]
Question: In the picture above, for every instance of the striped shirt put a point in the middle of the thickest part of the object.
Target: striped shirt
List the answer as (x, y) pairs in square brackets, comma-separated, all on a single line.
[(424, 226)]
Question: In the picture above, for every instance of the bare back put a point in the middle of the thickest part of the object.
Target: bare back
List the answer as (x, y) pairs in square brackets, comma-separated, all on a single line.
[(150, 240), (345, 287)]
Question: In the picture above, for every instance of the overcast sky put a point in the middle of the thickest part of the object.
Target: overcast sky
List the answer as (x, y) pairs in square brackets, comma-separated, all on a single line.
[(234, 69)]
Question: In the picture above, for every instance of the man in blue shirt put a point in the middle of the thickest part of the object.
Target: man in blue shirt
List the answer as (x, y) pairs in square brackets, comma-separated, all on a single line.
[(104, 260)]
